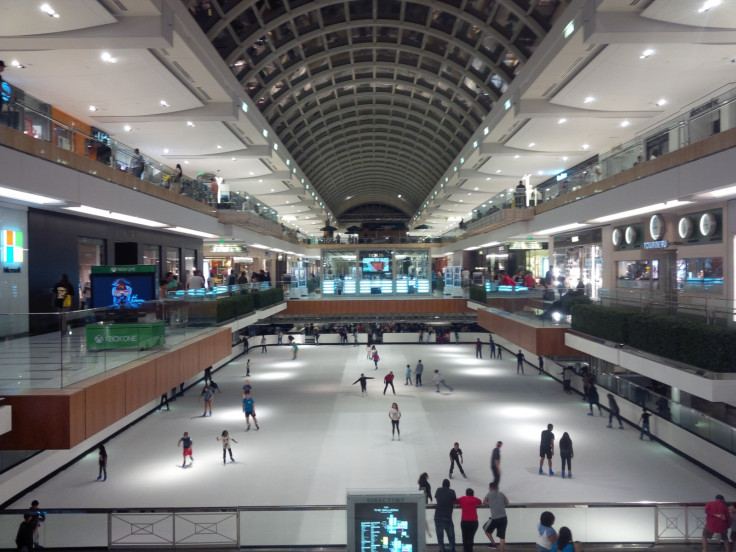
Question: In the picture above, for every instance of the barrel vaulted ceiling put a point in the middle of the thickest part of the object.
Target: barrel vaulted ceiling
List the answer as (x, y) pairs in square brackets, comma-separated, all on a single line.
[(374, 99)]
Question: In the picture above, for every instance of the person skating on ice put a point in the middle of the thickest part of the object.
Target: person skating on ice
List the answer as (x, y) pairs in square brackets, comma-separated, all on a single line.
[(263, 344), (250, 410), (478, 349), (376, 358), (208, 396), (520, 363), (593, 400), (456, 457), (247, 368), (418, 369), (644, 424), (395, 415), (566, 454), (225, 438), (547, 449), (389, 380), (362, 379), (102, 462), (408, 375), (496, 463), (613, 411), (438, 379), (186, 442)]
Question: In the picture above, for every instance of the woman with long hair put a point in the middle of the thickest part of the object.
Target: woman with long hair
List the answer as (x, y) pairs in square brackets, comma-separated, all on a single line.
[(564, 541), (566, 454), (102, 462), (395, 415), (426, 487)]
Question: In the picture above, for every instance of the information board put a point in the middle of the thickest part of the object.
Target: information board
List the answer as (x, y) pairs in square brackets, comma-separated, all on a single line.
[(385, 521)]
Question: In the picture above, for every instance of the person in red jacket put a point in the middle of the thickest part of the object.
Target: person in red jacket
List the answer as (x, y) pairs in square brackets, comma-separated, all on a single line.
[(389, 380), (469, 518), (506, 280), (717, 521)]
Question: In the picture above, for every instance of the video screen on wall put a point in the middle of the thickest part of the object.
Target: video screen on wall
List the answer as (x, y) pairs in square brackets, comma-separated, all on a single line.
[(123, 287), (376, 264), (391, 523)]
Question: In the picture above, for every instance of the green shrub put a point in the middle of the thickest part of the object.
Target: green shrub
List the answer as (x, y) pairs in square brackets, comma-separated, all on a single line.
[(268, 297), (607, 323), (233, 306)]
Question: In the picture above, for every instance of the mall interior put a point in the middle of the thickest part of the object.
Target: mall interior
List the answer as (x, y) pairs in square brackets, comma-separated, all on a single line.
[(350, 174)]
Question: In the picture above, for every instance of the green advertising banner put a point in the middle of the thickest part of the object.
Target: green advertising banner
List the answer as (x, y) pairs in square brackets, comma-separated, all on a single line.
[(124, 269), (125, 336)]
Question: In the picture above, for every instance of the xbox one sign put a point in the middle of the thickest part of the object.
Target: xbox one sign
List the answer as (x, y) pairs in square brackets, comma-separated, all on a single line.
[(121, 336)]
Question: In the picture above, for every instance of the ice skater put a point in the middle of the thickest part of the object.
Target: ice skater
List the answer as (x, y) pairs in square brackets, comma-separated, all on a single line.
[(438, 379), (499, 352), (369, 351), (593, 400), (408, 375), (225, 438), (207, 395), (541, 365), (613, 411), (395, 415), (376, 358), (644, 424), (250, 410), (478, 349), (247, 368), (186, 443), (418, 369), (519, 363), (295, 350), (263, 344), (496, 463), (456, 457), (547, 449), (493, 348), (102, 462), (362, 379), (389, 380), (566, 454)]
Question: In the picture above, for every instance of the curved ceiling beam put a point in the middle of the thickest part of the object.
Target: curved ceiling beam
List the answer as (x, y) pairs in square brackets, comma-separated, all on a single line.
[(360, 82)]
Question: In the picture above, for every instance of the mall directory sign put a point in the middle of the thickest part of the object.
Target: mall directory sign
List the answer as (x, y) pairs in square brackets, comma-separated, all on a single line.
[(385, 521)]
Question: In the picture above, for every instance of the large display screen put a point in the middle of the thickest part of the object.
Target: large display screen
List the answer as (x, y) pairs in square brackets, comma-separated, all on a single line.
[(376, 264), (391, 523), (123, 287)]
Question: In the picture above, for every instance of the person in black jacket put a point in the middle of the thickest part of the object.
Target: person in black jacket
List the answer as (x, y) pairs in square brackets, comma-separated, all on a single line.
[(593, 400), (613, 411), (566, 453), (426, 487), (24, 538)]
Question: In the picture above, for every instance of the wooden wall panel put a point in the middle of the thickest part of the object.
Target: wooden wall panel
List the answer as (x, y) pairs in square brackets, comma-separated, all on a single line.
[(549, 341), (190, 361), (139, 381), (168, 370), (105, 403), (374, 306), (53, 419)]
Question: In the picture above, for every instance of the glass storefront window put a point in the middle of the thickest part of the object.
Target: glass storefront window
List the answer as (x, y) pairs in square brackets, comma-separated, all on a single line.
[(152, 256), (91, 253), (704, 275), (376, 265), (173, 261), (637, 274), (412, 264)]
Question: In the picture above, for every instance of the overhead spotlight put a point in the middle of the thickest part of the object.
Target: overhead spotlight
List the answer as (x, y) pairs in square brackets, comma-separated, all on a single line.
[(107, 58), (532, 144), (92, 108), (517, 156), (589, 99), (562, 121), (127, 128), (190, 124), (646, 53), (585, 146), (661, 102), (564, 157), (48, 10), (624, 124), (164, 103), (218, 146), (166, 150), (708, 4), (17, 64)]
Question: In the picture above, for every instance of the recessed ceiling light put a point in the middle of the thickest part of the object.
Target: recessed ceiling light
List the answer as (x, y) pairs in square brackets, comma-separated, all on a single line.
[(232, 159), (646, 53), (92, 108), (15, 63), (624, 124), (399, 195), (564, 157), (585, 146), (589, 99), (48, 10), (540, 173), (708, 4), (251, 173), (498, 171), (218, 146), (532, 144), (166, 150), (517, 156), (476, 188), (190, 124), (660, 102), (186, 162), (127, 128), (164, 103), (562, 121), (107, 58)]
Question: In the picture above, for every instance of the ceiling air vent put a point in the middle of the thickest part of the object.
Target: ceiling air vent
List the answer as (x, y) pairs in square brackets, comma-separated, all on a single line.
[(205, 95), (183, 72), (164, 52), (120, 5)]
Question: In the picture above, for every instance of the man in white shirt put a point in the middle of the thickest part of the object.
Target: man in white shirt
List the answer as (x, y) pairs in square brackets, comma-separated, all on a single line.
[(195, 281)]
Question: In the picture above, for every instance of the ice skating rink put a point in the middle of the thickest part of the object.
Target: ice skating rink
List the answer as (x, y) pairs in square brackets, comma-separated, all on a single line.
[(319, 437)]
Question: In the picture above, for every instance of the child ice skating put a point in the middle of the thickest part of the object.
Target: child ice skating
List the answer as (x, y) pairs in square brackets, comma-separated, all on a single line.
[(186, 443), (225, 438)]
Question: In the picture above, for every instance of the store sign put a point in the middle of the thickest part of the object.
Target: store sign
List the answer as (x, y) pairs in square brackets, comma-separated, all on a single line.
[(561, 176), (12, 247), (527, 245), (227, 248), (660, 244), (124, 269)]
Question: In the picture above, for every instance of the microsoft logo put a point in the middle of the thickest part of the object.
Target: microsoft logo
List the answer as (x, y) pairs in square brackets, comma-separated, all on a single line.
[(12, 245)]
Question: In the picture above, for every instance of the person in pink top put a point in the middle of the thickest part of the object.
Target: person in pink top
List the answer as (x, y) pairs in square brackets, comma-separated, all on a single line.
[(717, 521), (469, 518)]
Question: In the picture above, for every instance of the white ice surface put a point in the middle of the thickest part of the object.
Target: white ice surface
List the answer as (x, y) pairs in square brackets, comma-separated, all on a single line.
[(319, 437)]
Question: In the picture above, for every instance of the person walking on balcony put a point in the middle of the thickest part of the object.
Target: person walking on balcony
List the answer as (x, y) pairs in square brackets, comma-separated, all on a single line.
[(137, 164)]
